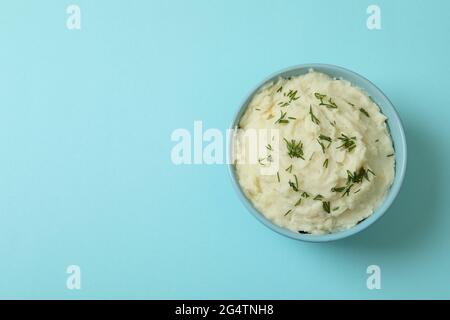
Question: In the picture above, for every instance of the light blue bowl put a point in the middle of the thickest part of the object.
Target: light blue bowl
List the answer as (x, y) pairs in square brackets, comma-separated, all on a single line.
[(397, 134)]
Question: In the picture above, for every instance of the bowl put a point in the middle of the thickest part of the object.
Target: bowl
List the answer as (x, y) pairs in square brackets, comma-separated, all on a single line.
[(394, 125)]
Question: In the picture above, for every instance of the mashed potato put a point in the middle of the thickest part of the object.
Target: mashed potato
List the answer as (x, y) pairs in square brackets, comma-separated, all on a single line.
[(330, 146)]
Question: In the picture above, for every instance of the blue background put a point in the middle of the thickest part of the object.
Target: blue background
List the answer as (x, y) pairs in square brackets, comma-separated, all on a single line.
[(86, 176)]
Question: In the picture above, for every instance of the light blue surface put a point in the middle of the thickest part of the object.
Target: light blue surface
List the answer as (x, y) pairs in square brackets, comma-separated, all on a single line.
[(395, 128), (86, 176)]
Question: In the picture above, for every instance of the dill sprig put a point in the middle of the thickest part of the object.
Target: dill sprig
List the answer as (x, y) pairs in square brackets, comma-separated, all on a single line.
[(293, 185), (313, 117), (278, 176), (299, 202), (289, 169), (305, 195), (292, 95), (282, 118), (318, 197), (363, 111), (352, 179), (295, 149), (321, 145), (279, 89), (326, 206), (325, 163), (330, 104), (348, 143), (324, 137), (269, 147), (287, 212)]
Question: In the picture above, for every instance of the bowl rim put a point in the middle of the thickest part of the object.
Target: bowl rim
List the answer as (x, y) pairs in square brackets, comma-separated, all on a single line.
[(400, 168)]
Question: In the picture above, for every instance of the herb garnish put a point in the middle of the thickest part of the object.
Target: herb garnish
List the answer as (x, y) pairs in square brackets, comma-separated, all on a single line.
[(313, 117), (321, 145), (295, 149), (364, 112), (337, 189), (353, 178), (326, 206), (282, 118), (324, 137), (287, 212), (348, 143), (269, 147), (298, 202), (281, 88), (292, 95), (318, 197), (390, 155), (289, 169), (278, 176), (294, 186), (325, 163), (330, 104), (305, 195)]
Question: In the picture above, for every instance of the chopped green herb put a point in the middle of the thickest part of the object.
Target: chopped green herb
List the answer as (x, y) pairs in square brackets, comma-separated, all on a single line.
[(347, 190), (282, 119), (357, 191), (292, 95), (258, 109), (364, 112), (298, 202), (292, 118), (313, 117), (320, 96), (324, 137), (326, 206), (348, 143), (278, 176), (325, 163), (321, 145), (330, 104), (335, 209), (293, 185), (289, 169), (295, 149), (305, 195), (287, 213), (283, 104), (390, 155), (318, 197), (337, 189), (269, 147), (281, 88)]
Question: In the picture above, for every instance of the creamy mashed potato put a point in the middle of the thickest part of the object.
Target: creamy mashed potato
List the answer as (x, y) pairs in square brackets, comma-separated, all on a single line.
[(333, 154)]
